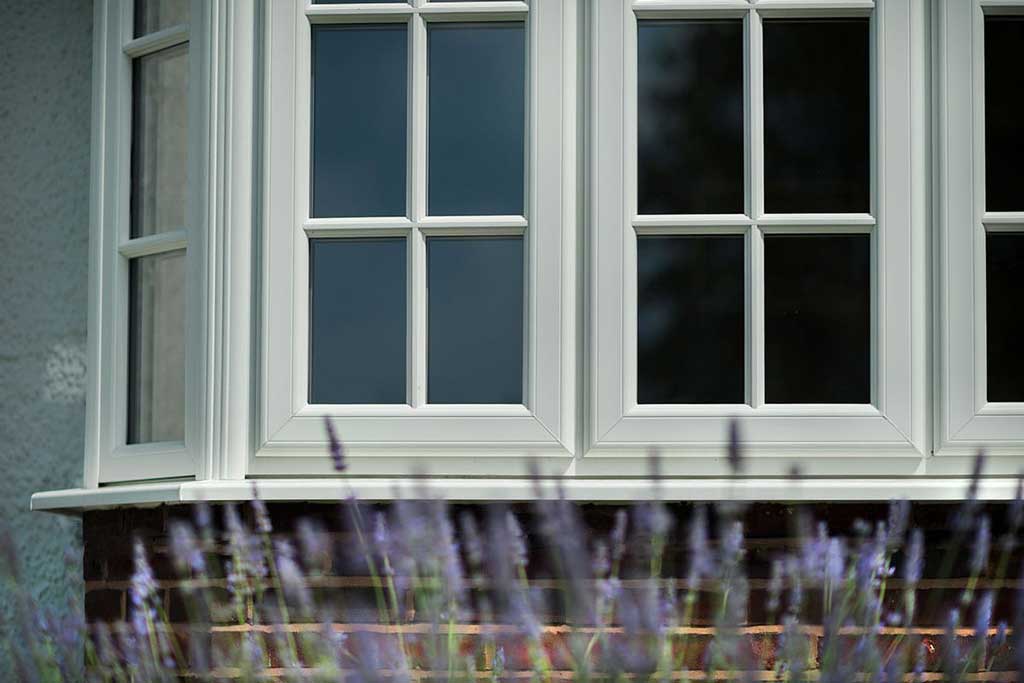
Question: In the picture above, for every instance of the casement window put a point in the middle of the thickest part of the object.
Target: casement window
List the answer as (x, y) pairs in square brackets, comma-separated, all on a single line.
[(980, 221), (758, 225), (148, 244), (476, 234), (419, 236)]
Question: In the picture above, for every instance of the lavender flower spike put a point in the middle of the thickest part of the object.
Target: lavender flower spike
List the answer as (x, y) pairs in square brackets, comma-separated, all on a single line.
[(337, 450)]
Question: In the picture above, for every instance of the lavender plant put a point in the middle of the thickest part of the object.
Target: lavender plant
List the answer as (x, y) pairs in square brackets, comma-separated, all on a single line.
[(662, 592)]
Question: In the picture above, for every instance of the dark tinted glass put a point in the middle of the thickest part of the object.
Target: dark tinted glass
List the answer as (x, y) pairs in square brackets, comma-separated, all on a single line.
[(475, 320), (690, 123), (357, 321), (690, 315), (156, 348), (477, 117), (1004, 276), (156, 15), (359, 120), (816, 115), (817, 310), (1004, 104)]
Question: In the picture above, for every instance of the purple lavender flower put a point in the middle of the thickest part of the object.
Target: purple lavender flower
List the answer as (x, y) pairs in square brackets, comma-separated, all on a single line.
[(735, 454), (292, 580), (143, 584), (263, 524), (336, 449), (982, 542), (185, 552), (700, 554), (517, 539), (899, 516), (915, 559), (775, 586), (983, 616), (313, 542)]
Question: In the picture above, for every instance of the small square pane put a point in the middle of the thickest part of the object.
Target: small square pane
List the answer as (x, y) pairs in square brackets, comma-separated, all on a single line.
[(159, 141), (817, 317), (1004, 279), (360, 120), (358, 319), (156, 348), (817, 102), (690, 117), (1004, 103), (156, 15), (690, 319), (477, 91), (475, 320)]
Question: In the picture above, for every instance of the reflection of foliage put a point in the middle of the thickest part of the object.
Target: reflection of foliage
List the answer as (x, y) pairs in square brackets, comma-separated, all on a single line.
[(472, 600), (690, 136), (816, 115), (690, 341)]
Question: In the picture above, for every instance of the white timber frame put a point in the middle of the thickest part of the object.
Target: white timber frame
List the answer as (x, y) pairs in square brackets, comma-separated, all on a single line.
[(886, 436), (110, 457), (965, 419), (217, 243), (446, 439), (246, 244)]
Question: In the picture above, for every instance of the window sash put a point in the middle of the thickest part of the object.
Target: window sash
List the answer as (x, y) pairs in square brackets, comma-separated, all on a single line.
[(110, 458), (964, 418), (894, 423), (291, 429)]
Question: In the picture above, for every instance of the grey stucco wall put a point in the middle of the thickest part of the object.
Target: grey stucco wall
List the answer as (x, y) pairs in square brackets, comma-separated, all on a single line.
[(45, 91)]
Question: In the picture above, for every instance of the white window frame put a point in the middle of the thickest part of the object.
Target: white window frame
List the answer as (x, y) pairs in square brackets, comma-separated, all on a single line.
[(886, 437), (469, 439), (109, 457), (964, 418)]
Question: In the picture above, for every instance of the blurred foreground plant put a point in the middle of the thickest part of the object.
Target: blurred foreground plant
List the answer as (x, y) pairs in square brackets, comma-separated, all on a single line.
[(455, 595)]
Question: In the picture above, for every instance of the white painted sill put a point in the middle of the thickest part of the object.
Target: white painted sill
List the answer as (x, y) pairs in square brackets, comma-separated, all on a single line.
[(72, 501)]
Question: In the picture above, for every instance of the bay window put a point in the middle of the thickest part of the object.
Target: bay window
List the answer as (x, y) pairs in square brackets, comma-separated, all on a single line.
[(476, 234)]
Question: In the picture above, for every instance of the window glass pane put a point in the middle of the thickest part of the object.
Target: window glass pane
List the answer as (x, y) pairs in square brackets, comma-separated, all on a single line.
[(359, 120), (357, 321), (816, 115), (1004, 103), (690, 319), (155, 15), (159, 141), (1004, 274), (476, 100), (156, 348), (817, 310), (690, 118), (475, 320)]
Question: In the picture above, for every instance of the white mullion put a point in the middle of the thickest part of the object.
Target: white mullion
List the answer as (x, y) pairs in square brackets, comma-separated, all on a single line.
[(754, 139), (417, 246)]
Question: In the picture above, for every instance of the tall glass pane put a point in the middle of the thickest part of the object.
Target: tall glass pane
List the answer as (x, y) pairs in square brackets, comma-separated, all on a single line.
[(159, 141), (690, 319), (1004, 277), (477, 91), (357, 321), (156, 348), (1004, 102), (817, 103), (360, 120), (475, 320), (817, 311), (156, 15), (690, 117)]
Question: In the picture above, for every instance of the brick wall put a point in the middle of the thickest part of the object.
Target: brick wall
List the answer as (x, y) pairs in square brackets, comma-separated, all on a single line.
[(342, 582)]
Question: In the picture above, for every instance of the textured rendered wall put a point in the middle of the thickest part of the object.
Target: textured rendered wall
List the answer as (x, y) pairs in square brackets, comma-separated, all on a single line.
[(45, 93)]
